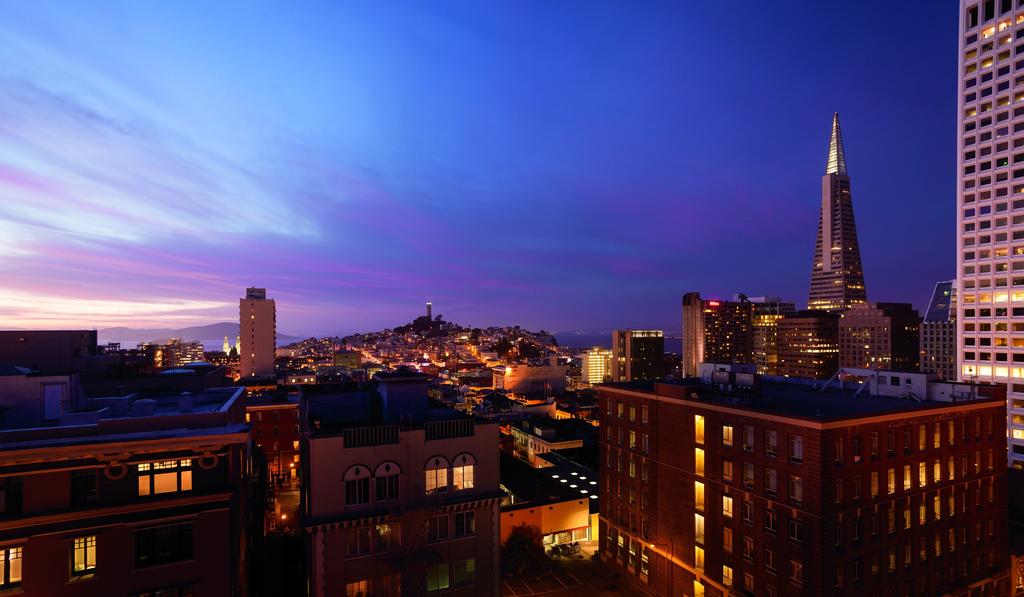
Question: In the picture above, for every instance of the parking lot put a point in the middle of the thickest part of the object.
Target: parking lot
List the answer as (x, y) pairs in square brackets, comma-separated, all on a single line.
[(552, 582)]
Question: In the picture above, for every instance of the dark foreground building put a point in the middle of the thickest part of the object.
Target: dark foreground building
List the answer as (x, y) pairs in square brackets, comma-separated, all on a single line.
[(137, 495), (400, 496), (747, 487)]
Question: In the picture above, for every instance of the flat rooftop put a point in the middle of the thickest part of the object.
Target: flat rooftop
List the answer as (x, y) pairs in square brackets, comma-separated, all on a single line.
[(797, 399)]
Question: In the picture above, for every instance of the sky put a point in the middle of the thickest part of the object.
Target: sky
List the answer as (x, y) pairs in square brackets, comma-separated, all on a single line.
[(557, 165)]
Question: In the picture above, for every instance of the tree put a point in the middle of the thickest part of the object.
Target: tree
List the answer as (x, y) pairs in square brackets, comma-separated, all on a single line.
[(523, 552)]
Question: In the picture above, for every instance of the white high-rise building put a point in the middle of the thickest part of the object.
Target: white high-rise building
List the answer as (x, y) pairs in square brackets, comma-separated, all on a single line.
[(257, 321), (990, 204), (597, 365)]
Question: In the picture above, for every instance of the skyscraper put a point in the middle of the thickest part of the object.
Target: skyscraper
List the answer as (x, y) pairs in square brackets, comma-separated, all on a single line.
[(837, 277), (596, 365), (715, 331), (990, 286), (938, 332), (638, 355), (768, 311), (257, 320), (880, 336), (808, 344)]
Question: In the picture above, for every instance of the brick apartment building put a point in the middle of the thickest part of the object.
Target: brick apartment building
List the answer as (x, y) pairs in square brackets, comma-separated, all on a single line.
[(275, 430), (734, 485), (137, 495), (401, 496)]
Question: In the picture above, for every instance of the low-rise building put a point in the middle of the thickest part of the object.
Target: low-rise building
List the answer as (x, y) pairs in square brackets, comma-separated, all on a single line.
[(535, 377), (401, 495), (541, 434)]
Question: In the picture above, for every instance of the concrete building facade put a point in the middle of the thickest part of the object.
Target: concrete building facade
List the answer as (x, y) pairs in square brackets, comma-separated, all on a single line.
[(808, 344), (257, 318), (638, 355), (989, 136), (938, 332), (716, 331), (880, 336), (837, 275)]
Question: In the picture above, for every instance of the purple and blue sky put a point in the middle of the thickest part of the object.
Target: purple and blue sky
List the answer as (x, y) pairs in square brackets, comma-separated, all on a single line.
[(565, 165)]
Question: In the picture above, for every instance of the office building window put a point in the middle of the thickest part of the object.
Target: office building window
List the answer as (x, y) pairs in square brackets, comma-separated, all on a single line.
[(727, 435), (159, 545), (727, 506), (83, 555), (698, 429), (167, 476), (771, 442)]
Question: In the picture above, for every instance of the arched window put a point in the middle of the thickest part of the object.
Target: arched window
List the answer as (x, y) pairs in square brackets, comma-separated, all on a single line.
[(357, 485), (436, 475), (386, 477), (462, 471)]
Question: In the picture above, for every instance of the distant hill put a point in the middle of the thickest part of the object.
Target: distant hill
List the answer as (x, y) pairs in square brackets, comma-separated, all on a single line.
[(212, 334)]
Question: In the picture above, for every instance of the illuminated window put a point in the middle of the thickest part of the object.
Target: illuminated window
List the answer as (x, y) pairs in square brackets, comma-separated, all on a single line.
[(698, 461), (437, 578), (167, 476), (10, 567), (462, 472), (698, 528), (698, 495), (727, 506), (387, 537), (698, 557), (359, 588), (83, 555), (727, 435), (436, 476), (698, 428), (726, 575)]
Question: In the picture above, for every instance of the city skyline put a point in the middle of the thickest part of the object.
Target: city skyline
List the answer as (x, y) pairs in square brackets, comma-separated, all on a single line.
[(359, 163)]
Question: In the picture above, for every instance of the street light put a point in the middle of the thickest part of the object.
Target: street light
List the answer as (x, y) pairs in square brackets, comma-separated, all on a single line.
[(671, 558)]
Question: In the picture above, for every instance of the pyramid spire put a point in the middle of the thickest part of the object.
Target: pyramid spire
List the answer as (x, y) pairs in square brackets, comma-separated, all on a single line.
[(836, 158)]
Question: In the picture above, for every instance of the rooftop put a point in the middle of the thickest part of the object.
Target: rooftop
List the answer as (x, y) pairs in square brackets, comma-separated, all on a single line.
[(800, 399)]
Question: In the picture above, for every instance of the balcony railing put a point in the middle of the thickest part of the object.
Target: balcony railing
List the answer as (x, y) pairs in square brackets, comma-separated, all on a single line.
[(361, 437), (448, 429)]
